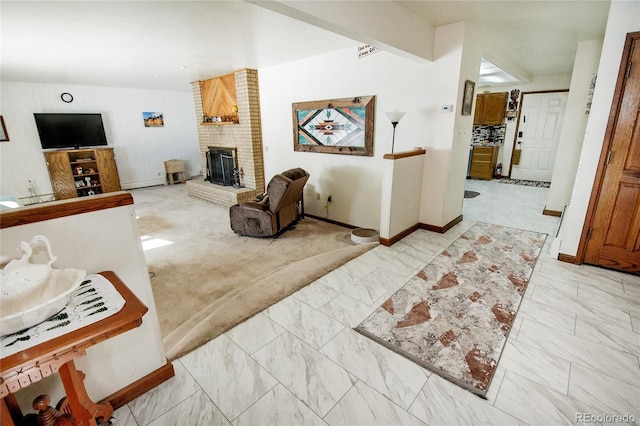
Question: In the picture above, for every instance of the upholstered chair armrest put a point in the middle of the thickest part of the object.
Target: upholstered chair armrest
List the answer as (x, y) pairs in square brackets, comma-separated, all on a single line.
[(262, 198), (252, 205)]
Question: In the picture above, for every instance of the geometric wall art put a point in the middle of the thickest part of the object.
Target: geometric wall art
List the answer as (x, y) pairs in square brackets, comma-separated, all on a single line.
[(335, 126)]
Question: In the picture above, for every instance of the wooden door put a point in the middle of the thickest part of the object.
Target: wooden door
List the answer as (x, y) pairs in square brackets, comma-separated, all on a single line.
[(538, 135), (106, 163), (613, 239), (60, 174)]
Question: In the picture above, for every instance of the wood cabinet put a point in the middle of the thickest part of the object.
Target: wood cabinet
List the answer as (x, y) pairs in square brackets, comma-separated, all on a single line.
[(82, 172), (483, 162), (490, 108), (219, 100)]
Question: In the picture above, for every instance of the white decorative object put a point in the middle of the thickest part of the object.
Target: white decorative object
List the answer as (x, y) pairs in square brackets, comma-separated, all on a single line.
[(364, 235), (32, 292)]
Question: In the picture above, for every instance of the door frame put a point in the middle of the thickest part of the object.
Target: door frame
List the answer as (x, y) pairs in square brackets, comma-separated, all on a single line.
[(515, 135), (606, 146)]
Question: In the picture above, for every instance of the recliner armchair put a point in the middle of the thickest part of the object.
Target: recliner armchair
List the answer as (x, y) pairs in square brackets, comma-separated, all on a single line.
[(273, 212)]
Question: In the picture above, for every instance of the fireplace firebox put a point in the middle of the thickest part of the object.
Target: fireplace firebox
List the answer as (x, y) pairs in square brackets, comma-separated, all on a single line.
[(221, 163)]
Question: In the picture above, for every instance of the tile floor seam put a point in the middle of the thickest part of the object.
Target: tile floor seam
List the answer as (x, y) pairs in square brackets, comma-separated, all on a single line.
[(199, 389), (418, 393), (311, 307), (257, 349), (406, 410), (569, 381), (378, 363), (245, 352), (553, 392), (330, 300), (254, 402), (319, 353), (493, 403), (603, 373), (593, 345), (130, 412), (338, 401)]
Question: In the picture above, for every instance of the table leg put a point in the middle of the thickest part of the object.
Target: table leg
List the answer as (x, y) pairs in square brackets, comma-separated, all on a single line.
[(83, 409), (5, 414)]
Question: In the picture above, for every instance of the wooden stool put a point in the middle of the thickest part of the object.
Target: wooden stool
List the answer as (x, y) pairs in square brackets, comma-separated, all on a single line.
[(174, 167)]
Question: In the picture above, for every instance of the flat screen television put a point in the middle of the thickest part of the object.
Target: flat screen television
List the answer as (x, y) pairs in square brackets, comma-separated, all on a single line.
[(58, 130)]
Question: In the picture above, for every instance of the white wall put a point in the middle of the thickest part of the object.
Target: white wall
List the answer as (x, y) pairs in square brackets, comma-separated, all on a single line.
[(140, 152), (574, 124), (623, 18), (444, 88), (418, 89), (401, 188), (103, 240), (354, 182)]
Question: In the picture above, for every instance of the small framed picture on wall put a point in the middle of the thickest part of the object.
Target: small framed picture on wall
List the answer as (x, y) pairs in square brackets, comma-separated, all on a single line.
[(467, 99)]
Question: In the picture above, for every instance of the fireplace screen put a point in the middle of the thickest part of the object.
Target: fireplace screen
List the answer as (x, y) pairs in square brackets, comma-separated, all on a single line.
[(221, 163)]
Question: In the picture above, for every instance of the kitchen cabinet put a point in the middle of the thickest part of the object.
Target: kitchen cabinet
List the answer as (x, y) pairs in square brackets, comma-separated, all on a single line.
[(483, 162), (490, 108)]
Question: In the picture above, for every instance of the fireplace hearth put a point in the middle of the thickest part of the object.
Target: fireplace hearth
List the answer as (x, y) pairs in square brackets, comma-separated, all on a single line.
[(221, 163)]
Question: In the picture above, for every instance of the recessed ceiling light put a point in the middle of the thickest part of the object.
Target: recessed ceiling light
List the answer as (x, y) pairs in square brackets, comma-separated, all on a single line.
[(181, 67), (155, 75)]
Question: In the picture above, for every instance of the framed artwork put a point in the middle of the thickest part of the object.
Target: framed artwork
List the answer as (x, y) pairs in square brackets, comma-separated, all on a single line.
[(467, 100), (334, 126), (153, 119), (4, 136)]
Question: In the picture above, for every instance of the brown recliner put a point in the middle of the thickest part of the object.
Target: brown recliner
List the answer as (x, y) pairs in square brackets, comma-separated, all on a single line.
[(268, 215)]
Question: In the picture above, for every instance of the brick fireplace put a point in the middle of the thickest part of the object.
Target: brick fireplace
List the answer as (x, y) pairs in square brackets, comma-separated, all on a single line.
[(245, 136)]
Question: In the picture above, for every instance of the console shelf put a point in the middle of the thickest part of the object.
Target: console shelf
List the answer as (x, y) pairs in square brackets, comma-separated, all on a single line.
[(82, 172)]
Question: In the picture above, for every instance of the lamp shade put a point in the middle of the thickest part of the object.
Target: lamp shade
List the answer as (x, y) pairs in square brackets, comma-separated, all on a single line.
[(395, 116)]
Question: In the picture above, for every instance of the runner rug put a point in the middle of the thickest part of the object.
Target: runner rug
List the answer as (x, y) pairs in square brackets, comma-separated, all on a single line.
[(525, 182), (454, 316)]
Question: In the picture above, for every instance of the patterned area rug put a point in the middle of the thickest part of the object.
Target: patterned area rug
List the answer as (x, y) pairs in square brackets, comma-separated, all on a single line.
[(525, 182), (454, 316)]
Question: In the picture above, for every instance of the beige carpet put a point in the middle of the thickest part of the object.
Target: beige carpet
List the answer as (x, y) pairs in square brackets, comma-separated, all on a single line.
[(454, 316), (209, 279)]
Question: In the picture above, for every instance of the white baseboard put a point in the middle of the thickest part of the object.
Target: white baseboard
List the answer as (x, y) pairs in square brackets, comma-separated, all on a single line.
[(143, 184)]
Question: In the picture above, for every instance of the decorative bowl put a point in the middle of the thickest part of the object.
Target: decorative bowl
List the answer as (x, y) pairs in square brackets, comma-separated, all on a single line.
[(18, 314)]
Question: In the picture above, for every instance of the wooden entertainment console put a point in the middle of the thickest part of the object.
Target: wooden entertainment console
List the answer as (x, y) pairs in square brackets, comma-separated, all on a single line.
[(82, 172)]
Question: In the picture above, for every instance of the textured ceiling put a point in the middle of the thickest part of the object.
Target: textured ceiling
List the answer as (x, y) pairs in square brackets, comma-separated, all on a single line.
[(540, 36), (168, 44)]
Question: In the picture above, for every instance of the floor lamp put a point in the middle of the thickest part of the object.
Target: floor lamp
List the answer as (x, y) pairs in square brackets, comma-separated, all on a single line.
[(395, 117)]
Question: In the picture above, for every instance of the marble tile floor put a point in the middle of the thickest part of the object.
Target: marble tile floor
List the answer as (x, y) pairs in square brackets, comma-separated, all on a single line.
[(572, 356)]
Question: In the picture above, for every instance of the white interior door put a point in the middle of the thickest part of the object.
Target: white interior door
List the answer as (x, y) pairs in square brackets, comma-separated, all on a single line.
[(538, 135)]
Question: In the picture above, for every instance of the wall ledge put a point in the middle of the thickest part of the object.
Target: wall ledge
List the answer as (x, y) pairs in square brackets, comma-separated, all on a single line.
[(63, 208), (404, 154)]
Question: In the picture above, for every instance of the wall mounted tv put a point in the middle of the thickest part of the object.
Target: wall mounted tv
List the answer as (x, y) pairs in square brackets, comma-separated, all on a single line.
[(58, 130)]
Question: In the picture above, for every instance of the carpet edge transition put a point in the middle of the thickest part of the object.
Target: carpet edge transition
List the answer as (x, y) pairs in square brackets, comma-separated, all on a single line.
[(200, 329)]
